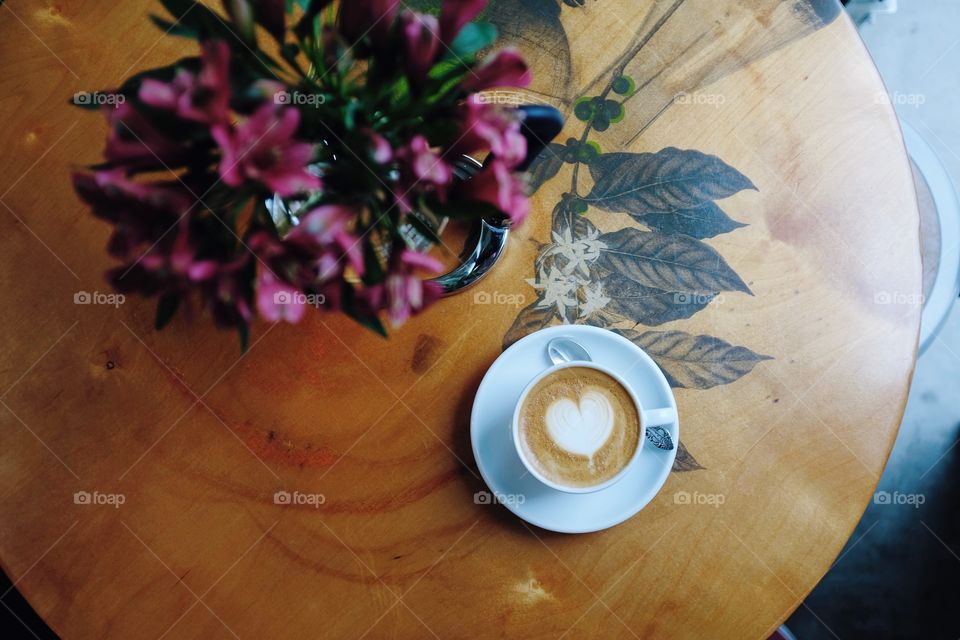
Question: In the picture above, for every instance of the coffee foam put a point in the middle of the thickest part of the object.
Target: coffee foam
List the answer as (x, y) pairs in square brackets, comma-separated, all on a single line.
[(579, 427)]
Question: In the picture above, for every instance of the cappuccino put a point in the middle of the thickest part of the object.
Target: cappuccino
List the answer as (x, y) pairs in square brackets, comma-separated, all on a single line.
[(578, 427)]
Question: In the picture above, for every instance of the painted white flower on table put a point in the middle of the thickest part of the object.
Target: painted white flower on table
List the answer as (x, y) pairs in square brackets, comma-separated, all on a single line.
[(564, 276), (578, 254), (558, 289), (593, 299)]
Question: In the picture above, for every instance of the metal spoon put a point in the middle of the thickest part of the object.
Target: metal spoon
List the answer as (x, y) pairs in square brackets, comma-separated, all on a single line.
[(561, 350)]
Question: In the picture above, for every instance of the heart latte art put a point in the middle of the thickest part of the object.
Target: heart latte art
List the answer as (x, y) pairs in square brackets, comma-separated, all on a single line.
[(578, 427)]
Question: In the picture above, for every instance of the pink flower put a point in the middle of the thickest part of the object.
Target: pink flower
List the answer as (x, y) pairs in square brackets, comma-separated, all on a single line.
[(457, 13), (180, 261), (310, 261), (380, 148), (421, 43), (204, 97), (402, 200), (263, 149), (167, 196), (407, 294), (490, 128), (426, 164), (506, 69), (136, 144), (140, 212), (327, 227), (374, 17), (228, 294), (277, 300), (498, 186)]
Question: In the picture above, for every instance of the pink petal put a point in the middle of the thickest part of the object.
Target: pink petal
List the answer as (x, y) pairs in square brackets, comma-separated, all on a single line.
[(203, 270), (291, 183), (229, 165), (506, 69), (457, 13), (421, 260), (157, 94), (297, 155)]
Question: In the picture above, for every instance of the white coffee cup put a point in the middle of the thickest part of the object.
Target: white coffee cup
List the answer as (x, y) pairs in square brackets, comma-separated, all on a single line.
[(648, 418)]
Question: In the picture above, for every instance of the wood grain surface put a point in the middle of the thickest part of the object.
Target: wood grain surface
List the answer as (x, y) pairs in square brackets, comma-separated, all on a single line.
[(804, 238)]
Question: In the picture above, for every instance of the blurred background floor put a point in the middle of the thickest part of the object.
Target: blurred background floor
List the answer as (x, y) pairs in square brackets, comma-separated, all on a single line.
[(899, 574)]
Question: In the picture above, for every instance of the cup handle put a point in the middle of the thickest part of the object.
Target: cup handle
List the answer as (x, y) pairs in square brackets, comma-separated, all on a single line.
[(659, 417)]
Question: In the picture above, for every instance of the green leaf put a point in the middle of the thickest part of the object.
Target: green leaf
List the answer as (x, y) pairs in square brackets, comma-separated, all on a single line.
[(207, 25), (372, 268), (669, 263), (174, 29), (369, 319), (243, 330), (289, 52), (695, 362), (241, 15), (444, 77), (303, 4), (474, 37), (311, 9), (662, 182), (166, 309)]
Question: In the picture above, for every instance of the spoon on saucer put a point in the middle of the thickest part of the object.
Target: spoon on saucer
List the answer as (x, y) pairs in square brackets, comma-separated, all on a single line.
[(561, 350)]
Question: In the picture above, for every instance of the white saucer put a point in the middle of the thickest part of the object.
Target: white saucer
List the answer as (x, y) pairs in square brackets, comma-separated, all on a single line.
[(504, 473)]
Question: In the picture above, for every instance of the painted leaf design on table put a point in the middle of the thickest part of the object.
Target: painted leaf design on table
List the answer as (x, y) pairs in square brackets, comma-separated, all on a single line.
[(695, 362), (669, 263), (564, 217), (705, 221), (685, 461), (532, 318), (664, 182), (546, 165), (647, 305)]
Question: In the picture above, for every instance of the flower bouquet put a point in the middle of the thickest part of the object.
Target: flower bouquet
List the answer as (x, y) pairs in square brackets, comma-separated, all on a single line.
[(269, 179)]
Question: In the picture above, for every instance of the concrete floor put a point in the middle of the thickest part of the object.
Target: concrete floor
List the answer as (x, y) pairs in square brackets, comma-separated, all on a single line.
[(899, 575)]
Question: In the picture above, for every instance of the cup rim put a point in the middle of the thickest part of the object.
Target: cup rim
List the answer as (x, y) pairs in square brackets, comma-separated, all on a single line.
[(515, 427)]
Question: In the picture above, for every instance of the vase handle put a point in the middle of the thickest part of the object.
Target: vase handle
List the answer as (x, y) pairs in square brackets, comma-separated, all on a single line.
[(541, 124)]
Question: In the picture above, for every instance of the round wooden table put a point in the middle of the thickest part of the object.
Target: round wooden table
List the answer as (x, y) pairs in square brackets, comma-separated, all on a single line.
[(731, 192)]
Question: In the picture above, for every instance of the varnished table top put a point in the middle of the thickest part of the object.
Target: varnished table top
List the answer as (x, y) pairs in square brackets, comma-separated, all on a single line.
[(750, 220)]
